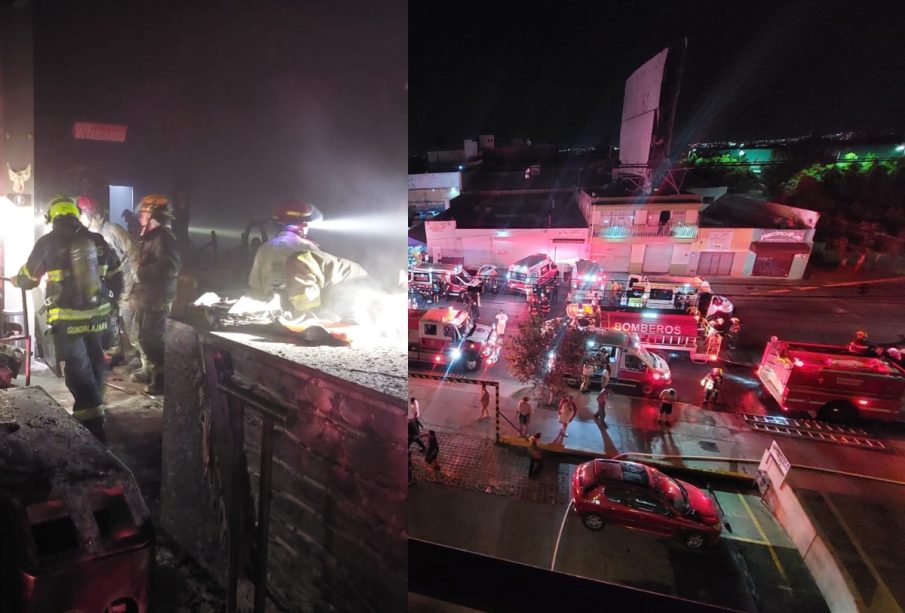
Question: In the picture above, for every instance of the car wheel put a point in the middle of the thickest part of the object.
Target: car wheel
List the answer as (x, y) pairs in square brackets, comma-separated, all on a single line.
[(838, 412), (693, 540), (472, 362), (593, 521), (647, 390)]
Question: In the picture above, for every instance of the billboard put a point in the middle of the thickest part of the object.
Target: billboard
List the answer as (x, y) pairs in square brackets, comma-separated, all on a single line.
[(640, 109)]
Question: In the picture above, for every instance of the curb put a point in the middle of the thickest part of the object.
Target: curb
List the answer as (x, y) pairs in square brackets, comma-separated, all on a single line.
[(665, 466)]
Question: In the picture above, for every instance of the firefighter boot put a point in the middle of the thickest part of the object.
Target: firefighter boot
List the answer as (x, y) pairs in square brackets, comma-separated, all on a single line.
[(93, 419), (142, 375), (155, 385)]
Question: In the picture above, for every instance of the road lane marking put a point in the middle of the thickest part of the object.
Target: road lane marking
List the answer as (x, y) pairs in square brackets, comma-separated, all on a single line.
[(763, 535), (559, 536), (864, 557)]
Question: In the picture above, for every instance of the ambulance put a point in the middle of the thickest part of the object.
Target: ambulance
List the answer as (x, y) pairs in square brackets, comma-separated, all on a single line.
[(529, 272)]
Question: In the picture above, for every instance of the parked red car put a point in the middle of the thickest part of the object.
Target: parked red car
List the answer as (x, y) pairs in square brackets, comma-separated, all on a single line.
[(643, 498)]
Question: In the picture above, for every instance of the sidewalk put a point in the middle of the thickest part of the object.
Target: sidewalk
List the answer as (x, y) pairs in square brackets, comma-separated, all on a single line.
[(708, 440)]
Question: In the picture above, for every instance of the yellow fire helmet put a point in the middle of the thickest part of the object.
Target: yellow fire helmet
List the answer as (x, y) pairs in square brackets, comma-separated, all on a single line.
[(61, 205)]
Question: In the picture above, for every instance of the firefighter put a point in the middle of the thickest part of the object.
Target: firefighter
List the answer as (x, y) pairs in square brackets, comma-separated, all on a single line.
[(309, 275), (118, 346), (859, 344), (156, 274), (268, 272), (711, 384), (84, 282), (735, 327)]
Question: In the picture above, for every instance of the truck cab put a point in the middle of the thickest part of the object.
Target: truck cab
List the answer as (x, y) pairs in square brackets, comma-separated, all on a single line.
[(450, 337), (631, 365), (452, 277), (588, 279), (530, 272)]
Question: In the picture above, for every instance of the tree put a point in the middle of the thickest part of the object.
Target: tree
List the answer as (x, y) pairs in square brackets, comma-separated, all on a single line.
[(526, 351), (529, 351)]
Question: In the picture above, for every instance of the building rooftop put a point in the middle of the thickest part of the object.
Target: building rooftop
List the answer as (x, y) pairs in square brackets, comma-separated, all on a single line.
[(740, 211), (553, 209)]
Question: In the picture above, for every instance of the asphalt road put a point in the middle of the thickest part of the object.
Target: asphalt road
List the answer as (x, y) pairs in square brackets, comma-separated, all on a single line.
[(755, 569)]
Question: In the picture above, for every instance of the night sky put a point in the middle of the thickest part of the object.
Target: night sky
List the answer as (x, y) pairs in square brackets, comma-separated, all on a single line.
[(556, 71), (246, 103)]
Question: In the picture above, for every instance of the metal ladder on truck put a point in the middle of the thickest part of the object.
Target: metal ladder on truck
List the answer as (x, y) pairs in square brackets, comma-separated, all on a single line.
[(707, 347)]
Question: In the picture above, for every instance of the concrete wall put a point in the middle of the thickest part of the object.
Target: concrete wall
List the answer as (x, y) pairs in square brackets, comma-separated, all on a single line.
[(338, 514), (503, 247)]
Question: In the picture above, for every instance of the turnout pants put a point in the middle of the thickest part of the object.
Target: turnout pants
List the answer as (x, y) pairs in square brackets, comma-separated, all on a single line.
[(151, 325), (83, 355)]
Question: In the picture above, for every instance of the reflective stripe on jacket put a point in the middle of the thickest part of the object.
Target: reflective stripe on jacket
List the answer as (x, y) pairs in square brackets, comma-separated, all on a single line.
[(51, 256)]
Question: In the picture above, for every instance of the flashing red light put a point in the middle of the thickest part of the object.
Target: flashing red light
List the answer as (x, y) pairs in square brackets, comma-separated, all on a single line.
[(437, 359), (713, 358), (862, 402), (656, 376)]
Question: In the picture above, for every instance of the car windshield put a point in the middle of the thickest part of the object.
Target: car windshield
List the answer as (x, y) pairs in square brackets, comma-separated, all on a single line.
[(647, 357), (672, 491)]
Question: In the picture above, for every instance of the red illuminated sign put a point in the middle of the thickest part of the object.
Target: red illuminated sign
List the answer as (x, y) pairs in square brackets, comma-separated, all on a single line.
[(99, 131), (662, 325)]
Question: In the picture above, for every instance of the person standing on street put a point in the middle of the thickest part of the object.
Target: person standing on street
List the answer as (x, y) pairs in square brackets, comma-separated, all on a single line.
[(524, 415), (485, 401), (586, 371), (501, 320), (84, 282), (667, 398), (536, 462), (120, 334), (600, 416), (414, 423), (415, 411), (415, 434), (155, 287), (566, 413)]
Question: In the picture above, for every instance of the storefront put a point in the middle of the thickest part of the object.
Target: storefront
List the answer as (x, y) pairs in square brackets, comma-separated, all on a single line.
[(776, 259)]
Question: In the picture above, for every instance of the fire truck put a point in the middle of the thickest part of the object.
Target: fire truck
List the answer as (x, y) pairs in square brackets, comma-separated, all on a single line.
[(656, 329), (831, 383), (449, 337)]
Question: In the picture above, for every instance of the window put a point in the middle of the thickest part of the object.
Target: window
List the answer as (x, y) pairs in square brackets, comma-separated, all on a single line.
[(661, 294), (619, 495), (648, 502), (430, 329), (450, 331), (633, 362)]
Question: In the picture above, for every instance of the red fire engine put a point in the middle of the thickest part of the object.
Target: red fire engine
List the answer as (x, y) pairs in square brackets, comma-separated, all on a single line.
[(831, 382), (450, 337), (657, 330)]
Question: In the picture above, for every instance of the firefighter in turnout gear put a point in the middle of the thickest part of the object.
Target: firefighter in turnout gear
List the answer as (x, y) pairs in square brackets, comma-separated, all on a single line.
[(296, 266), (119, 335), (711, 384), (268, 272), (156, 275), (84, 282)]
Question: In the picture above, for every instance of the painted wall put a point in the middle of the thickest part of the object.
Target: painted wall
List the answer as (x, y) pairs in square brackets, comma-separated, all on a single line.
[(502, 247)]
